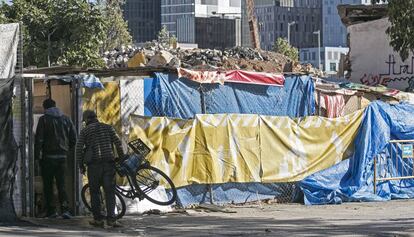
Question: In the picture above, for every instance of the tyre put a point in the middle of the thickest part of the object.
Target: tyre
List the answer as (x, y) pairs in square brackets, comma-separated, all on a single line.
[(120, 207), (148, 178)]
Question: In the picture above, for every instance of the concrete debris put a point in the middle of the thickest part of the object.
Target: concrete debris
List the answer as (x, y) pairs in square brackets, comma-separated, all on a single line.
[(157, 55), (163, 59)]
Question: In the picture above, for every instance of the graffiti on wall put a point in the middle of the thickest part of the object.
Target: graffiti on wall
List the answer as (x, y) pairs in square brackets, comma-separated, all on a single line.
[(396, 72)]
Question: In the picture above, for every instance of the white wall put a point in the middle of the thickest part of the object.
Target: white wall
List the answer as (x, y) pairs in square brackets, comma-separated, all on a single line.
[(333, 52), (223, 6), (373, 61)]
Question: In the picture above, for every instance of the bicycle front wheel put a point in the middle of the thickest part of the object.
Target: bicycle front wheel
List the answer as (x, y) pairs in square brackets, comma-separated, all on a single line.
[(120, 207), (148, 179)]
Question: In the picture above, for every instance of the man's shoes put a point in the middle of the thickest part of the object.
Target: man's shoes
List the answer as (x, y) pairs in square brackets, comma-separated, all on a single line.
[(97, 223), (66, 215), (52, 216), (114, 224)]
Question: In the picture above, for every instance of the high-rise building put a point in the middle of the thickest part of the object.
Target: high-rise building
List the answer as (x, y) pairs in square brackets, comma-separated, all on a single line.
[(276, 18), (334, 31), (175, 10), (144, 19), (181, 19)]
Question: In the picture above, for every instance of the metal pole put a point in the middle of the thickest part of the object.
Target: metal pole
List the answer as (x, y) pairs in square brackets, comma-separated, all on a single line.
[(319, 50), (289, 25), (30, 147), (75, 119), (319, 104), (375, 175), (203, 111), (288, 33), (24, 126)]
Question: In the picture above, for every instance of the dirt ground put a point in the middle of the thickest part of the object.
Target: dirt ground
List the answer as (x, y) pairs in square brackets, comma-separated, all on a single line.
[(394, 218)]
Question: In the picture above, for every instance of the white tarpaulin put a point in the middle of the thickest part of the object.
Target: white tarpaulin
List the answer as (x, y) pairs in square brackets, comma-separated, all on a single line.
[(9, 38)]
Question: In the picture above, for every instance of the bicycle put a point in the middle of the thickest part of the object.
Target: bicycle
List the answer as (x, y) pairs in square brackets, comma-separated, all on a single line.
[(142, 180)]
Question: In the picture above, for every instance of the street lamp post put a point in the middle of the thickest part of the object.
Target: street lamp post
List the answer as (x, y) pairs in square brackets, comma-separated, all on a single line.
[(289, 25), (319, 47)]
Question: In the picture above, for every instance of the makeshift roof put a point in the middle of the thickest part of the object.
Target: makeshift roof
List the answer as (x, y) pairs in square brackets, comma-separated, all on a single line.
[(354, 14), (67, 70)]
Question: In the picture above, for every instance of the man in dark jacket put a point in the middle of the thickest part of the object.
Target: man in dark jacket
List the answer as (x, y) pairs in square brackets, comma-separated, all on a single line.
[(95, 149), (55, 137)]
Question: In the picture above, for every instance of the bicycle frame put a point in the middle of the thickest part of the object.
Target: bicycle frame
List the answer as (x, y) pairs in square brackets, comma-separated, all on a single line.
[(133, 192)]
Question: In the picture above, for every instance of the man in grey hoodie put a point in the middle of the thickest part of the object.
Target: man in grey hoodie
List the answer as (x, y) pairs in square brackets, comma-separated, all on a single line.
[(55, 137)]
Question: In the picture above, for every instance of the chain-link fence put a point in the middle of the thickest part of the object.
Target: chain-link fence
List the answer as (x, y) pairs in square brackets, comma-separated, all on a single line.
[(20, 132), (198, 100)]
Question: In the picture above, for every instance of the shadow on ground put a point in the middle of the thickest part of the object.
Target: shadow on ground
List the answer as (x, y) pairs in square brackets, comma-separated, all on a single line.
[(196, 225)]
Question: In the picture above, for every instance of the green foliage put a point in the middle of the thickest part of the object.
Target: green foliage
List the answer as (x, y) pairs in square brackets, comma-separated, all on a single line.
[(282, 46), (164, 36), (401, 31), (3, 18), (117, 28), (72, 32)]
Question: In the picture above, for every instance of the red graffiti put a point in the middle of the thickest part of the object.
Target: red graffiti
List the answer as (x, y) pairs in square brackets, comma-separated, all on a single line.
[(370, 80)]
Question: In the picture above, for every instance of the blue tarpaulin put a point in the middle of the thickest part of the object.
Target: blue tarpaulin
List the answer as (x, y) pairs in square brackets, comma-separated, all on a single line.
[(352, 180), (172, 97), (168, 95), (182, 98)]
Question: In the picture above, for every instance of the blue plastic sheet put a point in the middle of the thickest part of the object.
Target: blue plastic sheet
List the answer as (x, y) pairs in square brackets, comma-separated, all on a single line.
[(235, 193), (90, 81), (167, 95), (181, 98), (352, 180), (172, 97)]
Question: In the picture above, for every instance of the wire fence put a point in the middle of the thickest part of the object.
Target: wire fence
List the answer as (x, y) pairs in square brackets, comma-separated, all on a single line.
[(19, 132), (133, 102)]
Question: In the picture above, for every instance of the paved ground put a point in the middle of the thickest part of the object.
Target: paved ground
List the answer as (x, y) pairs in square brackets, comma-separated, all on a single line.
[(394, 218)]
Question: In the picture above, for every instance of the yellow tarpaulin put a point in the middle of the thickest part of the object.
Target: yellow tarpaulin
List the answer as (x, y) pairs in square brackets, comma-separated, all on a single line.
[(225, 148), (106, 103)]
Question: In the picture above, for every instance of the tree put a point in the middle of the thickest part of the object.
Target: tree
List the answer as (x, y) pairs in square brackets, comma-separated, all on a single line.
[(401, 31), (69, 32), (283, 47), (117, 33), (164, 36)]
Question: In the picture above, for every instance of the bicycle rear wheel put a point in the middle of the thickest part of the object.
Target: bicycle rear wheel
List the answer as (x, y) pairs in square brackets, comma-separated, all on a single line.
[(148, 179), (120, 207)]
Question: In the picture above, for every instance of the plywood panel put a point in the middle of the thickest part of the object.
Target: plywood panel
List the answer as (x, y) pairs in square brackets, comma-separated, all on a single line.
[(61, 94)]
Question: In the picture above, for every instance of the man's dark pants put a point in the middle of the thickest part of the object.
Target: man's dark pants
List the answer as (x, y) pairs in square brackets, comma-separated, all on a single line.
[(102, 174), (54, 169)]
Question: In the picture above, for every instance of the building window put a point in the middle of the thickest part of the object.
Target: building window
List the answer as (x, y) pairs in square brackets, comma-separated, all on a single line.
[(305, 56), (329, 55), (234, 3), (209, 2), (332, 67), (313, 56), (336, 56)]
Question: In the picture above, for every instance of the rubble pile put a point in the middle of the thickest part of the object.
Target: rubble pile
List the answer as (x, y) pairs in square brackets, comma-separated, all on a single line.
[(118, 58), (155, 54)]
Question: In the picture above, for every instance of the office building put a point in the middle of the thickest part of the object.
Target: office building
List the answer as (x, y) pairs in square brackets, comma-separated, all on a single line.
[(183, 18), (329, 60), (301, 17), (334, 31), (144, 19), (174, 11)]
